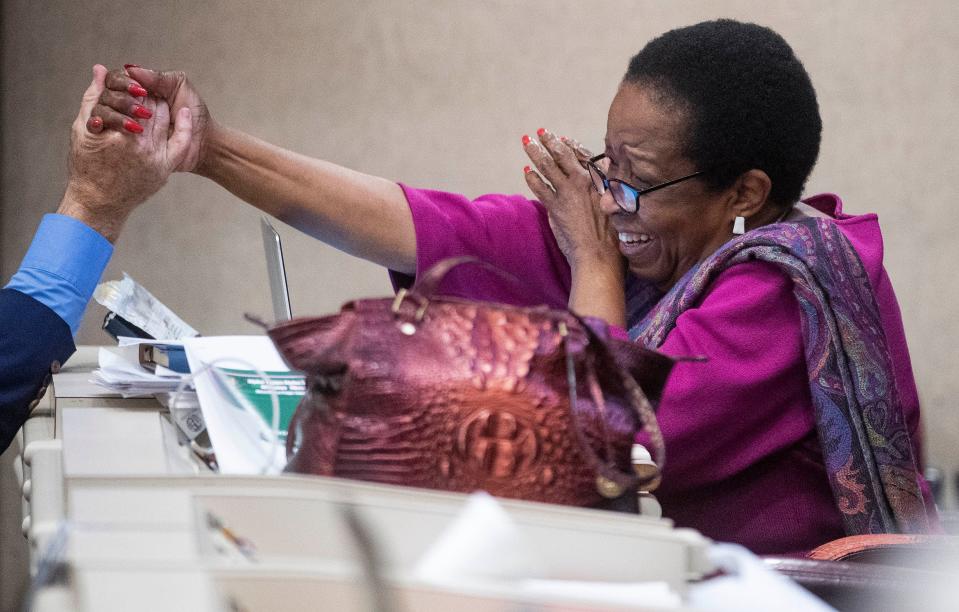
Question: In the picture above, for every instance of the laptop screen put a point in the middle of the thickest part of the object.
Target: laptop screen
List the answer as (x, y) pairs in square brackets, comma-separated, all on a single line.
[(279, 291)]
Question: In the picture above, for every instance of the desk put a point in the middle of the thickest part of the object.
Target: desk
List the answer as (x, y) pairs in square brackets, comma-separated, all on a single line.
[(144, 517), (80, 429)]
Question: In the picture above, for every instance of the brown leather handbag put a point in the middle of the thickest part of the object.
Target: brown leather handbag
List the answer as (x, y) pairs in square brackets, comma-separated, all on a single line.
[(458, 395)]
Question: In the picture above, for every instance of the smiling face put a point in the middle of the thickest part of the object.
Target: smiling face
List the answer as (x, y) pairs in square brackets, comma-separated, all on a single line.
[(677, 226)]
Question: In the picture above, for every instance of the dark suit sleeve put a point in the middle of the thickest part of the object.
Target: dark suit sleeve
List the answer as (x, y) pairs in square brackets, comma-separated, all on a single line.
[(32, 337)]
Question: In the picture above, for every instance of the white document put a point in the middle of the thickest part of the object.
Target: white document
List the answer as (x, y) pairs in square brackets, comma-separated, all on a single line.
[(242, 441), (484, 546), (483, 542), (131, 301), (120, 371), (747, 585)]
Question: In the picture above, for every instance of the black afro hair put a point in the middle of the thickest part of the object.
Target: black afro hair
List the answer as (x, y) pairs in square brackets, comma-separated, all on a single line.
[(748, 100)]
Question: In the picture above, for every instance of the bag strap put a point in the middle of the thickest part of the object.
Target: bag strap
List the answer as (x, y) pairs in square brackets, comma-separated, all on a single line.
[(638, 400), (611, 482)]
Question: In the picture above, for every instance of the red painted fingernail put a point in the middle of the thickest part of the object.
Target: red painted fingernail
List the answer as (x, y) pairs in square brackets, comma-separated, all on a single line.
[(96, 123), (132, 126), (141, 111), (526, 170), (525, 139), (540, 132), (131, 65), (563, 138), (136, 90)]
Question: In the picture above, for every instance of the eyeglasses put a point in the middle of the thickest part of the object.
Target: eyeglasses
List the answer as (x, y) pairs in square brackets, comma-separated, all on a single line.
[(625, 195)]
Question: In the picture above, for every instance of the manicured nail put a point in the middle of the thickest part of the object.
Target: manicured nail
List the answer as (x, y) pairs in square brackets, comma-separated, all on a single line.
[(136, 90), (526, 170), (141, 111), (131, 65), (95, 123), (525, 139), (132, 126), (540, 132)]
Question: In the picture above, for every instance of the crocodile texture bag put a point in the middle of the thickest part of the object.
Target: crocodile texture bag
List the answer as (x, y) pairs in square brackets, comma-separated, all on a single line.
[(459, 395)]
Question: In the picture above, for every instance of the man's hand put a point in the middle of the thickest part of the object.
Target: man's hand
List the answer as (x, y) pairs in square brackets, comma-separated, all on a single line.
[(112, 172)]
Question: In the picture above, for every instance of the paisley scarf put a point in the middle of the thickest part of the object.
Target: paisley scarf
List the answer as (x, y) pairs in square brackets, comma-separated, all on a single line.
[(859, 420)]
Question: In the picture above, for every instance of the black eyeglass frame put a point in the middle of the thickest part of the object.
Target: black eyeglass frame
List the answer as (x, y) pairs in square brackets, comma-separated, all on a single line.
[(591, 167)]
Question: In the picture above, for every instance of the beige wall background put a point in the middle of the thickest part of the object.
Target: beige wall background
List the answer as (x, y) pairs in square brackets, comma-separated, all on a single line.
[(438, 94)]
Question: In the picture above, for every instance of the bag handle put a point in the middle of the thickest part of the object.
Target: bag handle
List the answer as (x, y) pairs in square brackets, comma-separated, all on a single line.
[(426, 287), (611, 482), (429, 282)]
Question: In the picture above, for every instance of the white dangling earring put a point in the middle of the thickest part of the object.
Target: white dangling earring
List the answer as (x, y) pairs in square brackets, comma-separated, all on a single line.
[(739, 226)]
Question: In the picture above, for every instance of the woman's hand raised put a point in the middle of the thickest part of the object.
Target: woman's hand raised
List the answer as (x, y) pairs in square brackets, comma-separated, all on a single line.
[(583, 233), (562, 184), (122, 103)]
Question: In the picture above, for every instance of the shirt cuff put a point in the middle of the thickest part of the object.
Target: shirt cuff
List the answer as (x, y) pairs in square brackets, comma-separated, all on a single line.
[(62, 267)]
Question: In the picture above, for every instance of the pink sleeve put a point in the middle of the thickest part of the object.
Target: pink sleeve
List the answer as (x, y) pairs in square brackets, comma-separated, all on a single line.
[(510, 232), (751, 398), (619, 333)]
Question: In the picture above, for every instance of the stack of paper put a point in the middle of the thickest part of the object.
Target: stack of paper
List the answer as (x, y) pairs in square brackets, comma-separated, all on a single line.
[(245, 395), (120, 371), (248, 395)]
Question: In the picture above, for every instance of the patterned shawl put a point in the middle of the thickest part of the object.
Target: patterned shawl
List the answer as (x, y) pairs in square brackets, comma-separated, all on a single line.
[(865, 443)]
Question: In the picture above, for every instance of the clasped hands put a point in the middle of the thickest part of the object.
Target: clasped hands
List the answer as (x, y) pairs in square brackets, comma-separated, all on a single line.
[(111, 171)]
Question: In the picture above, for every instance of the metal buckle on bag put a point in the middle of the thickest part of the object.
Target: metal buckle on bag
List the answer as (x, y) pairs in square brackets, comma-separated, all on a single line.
[(408, 327), (609, 488), (645, 468)]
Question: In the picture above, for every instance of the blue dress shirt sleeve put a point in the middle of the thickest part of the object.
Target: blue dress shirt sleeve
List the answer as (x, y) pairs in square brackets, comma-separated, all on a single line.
[(62, 267)]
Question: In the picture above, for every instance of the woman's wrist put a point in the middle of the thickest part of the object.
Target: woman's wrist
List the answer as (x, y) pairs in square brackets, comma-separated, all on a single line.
[(599, 261), (598, 289), (212, 149)]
